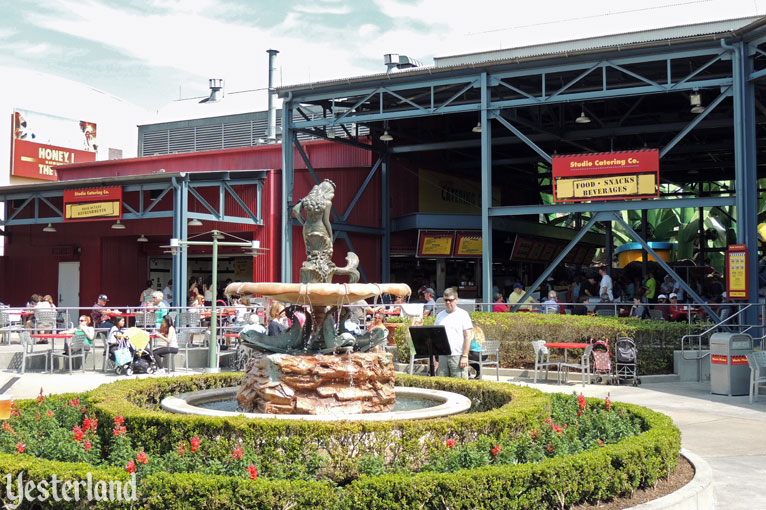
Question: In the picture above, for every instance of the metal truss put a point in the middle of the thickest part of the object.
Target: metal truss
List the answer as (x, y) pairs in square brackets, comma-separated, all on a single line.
[(139, 208)]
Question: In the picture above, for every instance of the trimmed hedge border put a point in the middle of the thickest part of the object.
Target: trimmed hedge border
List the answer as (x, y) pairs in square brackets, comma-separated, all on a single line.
[(590, 476)]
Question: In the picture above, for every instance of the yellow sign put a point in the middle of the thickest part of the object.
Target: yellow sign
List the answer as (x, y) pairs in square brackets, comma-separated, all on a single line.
[(92, 209), (437, 246), (444, 193), (737, 274), (468, 246), (601, 187)]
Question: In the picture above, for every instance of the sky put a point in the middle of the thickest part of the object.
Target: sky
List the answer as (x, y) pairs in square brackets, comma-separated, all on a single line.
[(152, 52)]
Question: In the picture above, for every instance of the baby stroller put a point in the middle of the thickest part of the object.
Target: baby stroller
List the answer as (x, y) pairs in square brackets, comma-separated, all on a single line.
[(602, 360), (140, 360), (626, 361)]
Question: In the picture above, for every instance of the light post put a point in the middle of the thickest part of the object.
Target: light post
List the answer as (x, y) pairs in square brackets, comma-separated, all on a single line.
[(176, 246)]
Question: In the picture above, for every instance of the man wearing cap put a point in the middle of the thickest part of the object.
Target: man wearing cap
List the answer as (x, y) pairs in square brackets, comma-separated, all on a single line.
[(662, 306), (677, 313), (459, 327), (100, 314), (515, 297), (428, 308)]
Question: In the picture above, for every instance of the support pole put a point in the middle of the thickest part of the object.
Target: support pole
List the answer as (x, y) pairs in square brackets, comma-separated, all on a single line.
[(212, 360), (486, 196), (287, 191), (385, 219)]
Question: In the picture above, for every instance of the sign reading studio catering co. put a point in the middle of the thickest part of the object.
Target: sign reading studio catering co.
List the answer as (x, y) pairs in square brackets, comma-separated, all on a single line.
[(606, 176), (40, 142), (89, 204)]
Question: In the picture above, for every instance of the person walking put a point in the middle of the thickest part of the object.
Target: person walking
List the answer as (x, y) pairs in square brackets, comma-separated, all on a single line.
[(459, 328)]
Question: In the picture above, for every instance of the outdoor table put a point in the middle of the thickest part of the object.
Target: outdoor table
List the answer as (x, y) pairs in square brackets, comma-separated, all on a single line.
[(566, 346), (126, 315), (53, 337)]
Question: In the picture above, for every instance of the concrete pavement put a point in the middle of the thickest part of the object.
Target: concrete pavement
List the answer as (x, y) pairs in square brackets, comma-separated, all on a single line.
[(727, 432)]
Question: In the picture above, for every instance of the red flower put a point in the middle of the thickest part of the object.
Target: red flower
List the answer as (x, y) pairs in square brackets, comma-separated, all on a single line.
[(78, 433), (94, 424), (236, 454), (450, 443), (252, 471), (118, 430), (84, 410), (181, 448), (608, 403), (50, 414), (20, 447), (37, 416), (532, 435), (131, 467), (496, 450), (75, 402), (119, 420), (550, 447), (142, 458), (195, 441), (86, 445), (40, 398), (581, 402), (86, 424), (565, 425), (600, 443)]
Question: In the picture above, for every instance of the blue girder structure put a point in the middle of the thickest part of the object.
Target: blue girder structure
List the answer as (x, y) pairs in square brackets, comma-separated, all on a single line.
[(506, 94)]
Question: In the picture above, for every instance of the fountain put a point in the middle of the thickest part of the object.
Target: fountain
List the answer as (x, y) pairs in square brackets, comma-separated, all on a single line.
[(323, 368)]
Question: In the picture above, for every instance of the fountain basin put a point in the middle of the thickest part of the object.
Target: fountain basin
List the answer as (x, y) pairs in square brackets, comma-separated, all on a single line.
[(448, 404)]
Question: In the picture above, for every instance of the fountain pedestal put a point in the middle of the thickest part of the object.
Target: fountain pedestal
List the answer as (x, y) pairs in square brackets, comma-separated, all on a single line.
[(354, 383)]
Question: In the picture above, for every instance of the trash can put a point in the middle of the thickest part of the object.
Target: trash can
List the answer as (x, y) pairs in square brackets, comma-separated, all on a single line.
[(729, 371)]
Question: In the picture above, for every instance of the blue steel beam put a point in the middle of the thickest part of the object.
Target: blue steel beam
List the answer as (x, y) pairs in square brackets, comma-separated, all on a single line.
[(532, 145), (486, 195), (632, 205), (696, 120), (313, 174), (288, 180), (745, 167), (361, 190), (385, 218)]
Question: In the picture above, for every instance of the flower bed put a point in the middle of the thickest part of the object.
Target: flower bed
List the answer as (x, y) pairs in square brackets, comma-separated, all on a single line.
[(201, 462), (655, 340)]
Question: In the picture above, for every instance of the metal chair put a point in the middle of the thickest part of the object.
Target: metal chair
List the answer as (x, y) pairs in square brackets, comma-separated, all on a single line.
[(543, 359), (76, 350), (45, 319), (28, 351), (757, 362), (186, 344), (605, 313), (146, 320), (7, 326), (107, 360), (489, 349), (583, 366), (656, 315)]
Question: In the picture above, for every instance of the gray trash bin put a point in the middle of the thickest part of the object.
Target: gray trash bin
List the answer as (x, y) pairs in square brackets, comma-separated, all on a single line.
[(729, 371)]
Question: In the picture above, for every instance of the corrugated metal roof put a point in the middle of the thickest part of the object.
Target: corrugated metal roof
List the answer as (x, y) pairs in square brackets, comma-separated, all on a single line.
[(653, 37), (725, 27)]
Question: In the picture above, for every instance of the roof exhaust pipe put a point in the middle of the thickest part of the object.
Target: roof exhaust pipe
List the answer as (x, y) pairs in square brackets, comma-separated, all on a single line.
[(216, 91), (271, 130)]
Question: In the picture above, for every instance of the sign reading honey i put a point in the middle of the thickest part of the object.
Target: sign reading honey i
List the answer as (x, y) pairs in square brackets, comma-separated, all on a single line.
[(606, 176)]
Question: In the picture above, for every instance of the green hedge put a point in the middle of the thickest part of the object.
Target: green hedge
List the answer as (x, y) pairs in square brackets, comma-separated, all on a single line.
[(595, 475), (655, 340)]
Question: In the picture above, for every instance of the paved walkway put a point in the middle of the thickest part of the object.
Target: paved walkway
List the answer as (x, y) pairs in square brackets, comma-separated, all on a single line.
[(728, 432)]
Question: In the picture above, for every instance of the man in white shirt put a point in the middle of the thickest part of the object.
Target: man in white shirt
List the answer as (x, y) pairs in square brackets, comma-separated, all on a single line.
[(459, 328), (605, 287), (167, 292)]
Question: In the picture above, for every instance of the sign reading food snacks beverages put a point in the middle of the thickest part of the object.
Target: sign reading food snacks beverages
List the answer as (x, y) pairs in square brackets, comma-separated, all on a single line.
[(606, 176), (736, 272), (40, 142), (91, 204)]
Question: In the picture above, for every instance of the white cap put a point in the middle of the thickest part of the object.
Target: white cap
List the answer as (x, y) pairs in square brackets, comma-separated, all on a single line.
[(673, 295)]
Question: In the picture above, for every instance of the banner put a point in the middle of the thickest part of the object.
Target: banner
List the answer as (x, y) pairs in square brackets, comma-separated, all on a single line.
[(91, 204), (40, 142), (606, 176)]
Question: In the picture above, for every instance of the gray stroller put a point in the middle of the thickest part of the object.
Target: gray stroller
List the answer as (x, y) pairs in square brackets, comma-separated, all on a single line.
[(626, 361)]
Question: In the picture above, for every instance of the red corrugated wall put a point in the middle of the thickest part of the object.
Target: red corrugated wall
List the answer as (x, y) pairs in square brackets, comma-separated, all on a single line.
[(111, 261)]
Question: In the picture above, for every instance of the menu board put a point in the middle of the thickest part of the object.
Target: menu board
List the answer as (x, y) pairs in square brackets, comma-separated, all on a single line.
[(468, 244), (736, 272), (435, 243)]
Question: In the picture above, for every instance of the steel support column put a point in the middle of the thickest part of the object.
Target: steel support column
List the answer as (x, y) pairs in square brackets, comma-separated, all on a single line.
[(486, 195), (180, 207), (288, 180), (385, 219), (744, 167)]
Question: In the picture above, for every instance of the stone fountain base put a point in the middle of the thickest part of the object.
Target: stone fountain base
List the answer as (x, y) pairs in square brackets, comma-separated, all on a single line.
[(355, 383)]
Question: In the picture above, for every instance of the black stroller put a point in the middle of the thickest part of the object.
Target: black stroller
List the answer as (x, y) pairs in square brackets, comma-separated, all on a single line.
[(626, 361), (141, 359)]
